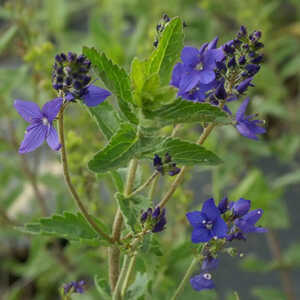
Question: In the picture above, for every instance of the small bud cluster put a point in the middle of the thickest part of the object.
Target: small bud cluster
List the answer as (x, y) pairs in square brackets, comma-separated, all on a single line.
[(70, 73), (165, 166), (74, 287), (160, 28), (154, 219), (242, 61)]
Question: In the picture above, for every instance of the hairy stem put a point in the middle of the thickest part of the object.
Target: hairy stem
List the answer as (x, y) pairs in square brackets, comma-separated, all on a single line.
[(144, 185), (152, 188), (284, 272), (128, 274), (114, 252), (186, 277), (68, 179), (116, 293)]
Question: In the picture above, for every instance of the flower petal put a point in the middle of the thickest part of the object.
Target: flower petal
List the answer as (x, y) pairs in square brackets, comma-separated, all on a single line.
[(28, 110), (241, 207), (200, 282), (190, 57), (206, 76), (210, 58), (242, 109), (95, 95), (177, 74), (210, 209), (213, 44), (245, 131), (196, 218), (34, 137), (52, 139), (51, 108), (188, 81), (220, 228), (201, 235)]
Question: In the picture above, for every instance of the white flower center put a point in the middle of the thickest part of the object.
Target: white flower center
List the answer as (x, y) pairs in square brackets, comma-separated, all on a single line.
[(207, 276), (45, 121)]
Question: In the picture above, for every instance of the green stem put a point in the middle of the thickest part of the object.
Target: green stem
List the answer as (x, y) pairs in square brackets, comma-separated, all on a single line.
[(68, 179), (128, 274), (152, 188), (114, 252), (186, 277), (144, 185), (116, 293)]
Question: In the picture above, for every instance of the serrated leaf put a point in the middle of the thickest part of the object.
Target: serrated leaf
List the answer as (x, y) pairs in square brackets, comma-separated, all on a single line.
[(138, 288), (102, 287), (168, 51), (186, 153), (115, 78), (69, 225), (184, 111), (131, 208), (106, 118), (117, 153)]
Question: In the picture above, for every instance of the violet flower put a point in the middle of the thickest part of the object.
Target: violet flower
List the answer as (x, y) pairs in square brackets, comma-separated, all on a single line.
[(247, 127), (41, 124), (207, 224)]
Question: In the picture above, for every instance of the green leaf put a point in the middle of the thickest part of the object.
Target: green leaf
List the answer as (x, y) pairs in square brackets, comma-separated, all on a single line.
[(185, 153), (292, 255), (69, 225), (107, 119), (138, 288), (253, 264), (184, 111), (102, 287), (131, 208), (115, 78), (164, 57), (7, 37), (117, 153)]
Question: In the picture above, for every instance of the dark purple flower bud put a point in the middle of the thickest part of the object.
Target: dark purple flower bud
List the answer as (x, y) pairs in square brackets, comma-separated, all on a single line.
[(60, 71), (159, 28), (59, 79), (245, 46), (258, 45), (243, 31), (258, 59), (220, 92), (149, 211), (174, 170), (166, 18), (221, 65), (232, 62), (63, 56), (251, 54), (68, 81), (144, 217), (184, 24), (156, 212), (243, 86), (71, 57), (80, 58), (245, 74), (241, 207), (237, 43), (86, 80), (77, 85), (236, 236), (228, 49), (242, 60), (257, 34), (168, 158), (58, 58), (223, 205), (157, 161), (155, 43), (252, 69), (68, 70), (160, 225), (57, 86), (209, 263)]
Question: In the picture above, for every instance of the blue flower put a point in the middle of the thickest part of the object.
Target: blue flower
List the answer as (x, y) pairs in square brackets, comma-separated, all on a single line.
[(223, 205), (246, 224), (198, 66), (202, 281), (247, 127), (41, 124), (207, 224)]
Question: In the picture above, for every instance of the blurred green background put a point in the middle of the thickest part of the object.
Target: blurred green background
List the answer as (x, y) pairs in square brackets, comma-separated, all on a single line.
[(267, 172)]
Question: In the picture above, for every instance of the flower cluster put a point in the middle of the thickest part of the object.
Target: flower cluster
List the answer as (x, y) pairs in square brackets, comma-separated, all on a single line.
[(219, 75), (71, 80), (218, 225), (165, 166), (154, 219), (74, 287)]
